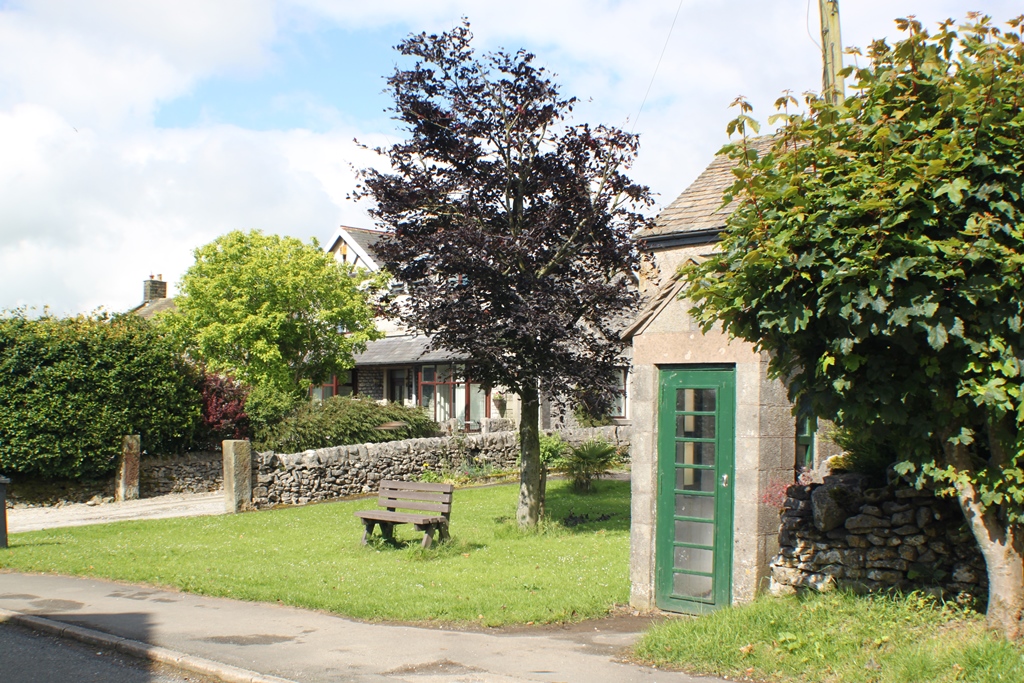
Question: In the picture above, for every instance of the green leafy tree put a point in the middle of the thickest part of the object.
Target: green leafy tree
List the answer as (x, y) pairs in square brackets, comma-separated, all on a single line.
[(510, 226), (876, 253), (70, 388), (272, 311)]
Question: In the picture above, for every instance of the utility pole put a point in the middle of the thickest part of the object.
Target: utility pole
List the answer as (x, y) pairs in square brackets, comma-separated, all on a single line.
[(832, 52)]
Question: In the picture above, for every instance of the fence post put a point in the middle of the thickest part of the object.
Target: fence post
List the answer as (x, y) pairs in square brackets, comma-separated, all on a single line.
[(237, 476), (4, 481), (128, 469)]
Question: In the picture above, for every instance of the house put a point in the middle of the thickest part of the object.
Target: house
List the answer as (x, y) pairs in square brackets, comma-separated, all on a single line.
[(401, 367), (714, 438), (154, 298)]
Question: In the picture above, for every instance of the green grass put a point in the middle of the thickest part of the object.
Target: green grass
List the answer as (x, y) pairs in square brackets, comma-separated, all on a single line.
[(491, 573), (837, 637)]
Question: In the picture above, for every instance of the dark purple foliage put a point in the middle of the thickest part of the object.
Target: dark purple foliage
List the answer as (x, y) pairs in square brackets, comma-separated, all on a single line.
[(223, 410), (510, 227)]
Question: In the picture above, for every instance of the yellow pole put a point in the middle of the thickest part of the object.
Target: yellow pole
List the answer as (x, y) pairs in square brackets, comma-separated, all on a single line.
[(832, 83)]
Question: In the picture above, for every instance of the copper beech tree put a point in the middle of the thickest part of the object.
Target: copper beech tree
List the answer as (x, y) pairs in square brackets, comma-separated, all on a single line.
[(509, 225), (877, 253)]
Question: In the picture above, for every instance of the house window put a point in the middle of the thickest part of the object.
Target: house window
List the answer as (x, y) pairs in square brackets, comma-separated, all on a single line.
[(446, 394), (620, 404), (339, 385)]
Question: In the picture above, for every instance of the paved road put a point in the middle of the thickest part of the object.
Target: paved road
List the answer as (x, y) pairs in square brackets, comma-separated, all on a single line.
[(80, 514), (313, 647), (30, 657)]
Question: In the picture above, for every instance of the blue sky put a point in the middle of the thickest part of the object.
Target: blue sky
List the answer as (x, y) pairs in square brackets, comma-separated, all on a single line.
[(136, 130)]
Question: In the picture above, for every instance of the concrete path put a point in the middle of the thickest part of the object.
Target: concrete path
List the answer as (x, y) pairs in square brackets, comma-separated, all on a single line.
[(313, 647), (80, 514)]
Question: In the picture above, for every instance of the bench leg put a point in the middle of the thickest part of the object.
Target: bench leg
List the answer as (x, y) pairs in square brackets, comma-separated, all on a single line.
[(387, 530), (368, 529), (428, 535), (442, 533)]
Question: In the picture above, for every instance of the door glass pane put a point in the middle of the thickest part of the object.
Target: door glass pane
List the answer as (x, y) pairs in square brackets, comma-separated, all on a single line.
[(477, 405), (428, 373), (696, 533), (695, 426), (695, 559), (695, 480), (444, 403), (460, 403), (694, 586), (695, 506), (695, 400), (690, 453), (429, 400)]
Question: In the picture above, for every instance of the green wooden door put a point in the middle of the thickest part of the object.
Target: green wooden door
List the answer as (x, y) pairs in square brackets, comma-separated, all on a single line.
[(696, 454)]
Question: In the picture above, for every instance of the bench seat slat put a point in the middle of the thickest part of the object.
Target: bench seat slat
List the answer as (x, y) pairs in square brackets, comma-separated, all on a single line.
[(415, 495), (416, 486), (413, 505), (401, 517)]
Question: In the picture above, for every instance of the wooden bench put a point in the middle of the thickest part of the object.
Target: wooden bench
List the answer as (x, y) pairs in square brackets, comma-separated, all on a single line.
[(410, 495)]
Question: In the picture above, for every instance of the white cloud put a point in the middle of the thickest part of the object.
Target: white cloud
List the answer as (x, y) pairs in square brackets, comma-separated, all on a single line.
[(94, 198)]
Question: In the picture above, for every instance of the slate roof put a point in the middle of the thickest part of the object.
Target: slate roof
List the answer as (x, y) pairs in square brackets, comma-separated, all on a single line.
[(402, 350), (699, 208), (366, 238), (150, 308)]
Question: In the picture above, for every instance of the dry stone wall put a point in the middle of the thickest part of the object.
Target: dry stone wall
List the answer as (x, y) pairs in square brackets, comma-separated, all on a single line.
[(197, 472), (875, 539), (326, 473)]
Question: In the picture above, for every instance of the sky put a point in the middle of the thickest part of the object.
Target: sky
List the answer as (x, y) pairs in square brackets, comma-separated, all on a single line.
[(134, 131)]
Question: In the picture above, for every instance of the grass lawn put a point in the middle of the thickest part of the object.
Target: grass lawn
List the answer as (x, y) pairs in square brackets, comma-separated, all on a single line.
[(834, 638), (491, 573)]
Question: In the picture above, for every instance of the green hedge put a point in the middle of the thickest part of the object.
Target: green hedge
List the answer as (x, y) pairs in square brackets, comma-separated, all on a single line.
[(70, 388), (342, 420)]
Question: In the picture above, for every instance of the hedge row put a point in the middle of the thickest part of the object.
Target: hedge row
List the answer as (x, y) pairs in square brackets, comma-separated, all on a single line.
[(71, 387)]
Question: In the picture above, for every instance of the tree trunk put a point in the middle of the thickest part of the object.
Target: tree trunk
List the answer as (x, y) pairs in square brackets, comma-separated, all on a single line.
[(1002, 546), (531, 491)]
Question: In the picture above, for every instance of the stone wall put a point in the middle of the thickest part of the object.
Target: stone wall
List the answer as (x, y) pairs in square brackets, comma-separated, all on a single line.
[(327, 473), (370, 383), (875, 539), (196, 472)]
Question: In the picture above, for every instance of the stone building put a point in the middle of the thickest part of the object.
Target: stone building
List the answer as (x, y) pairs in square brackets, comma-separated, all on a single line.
[(713, 437)]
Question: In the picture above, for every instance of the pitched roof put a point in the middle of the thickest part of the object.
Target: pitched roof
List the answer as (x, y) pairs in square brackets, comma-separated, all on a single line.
[(366, 238), (402, 349), (149, 309), (698, 209), (359, 242)]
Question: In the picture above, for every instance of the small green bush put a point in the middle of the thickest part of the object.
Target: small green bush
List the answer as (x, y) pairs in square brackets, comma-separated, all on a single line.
[(70, 388), (267, 406), (343, 420), (551, 450), (587, 462)]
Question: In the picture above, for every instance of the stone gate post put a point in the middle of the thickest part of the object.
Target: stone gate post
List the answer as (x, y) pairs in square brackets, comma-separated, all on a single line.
[(237, 476)]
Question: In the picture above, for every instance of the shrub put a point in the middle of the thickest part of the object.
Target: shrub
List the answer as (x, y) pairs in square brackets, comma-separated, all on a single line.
[(267, 406), (551, 450), (70, 388), (343, 420), (587, 462), (223, 413)]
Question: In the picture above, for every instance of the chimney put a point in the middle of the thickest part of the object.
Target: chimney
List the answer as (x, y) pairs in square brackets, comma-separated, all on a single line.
[(153, 289)]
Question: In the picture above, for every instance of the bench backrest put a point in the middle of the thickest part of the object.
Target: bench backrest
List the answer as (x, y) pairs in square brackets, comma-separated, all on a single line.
[(416, 495)]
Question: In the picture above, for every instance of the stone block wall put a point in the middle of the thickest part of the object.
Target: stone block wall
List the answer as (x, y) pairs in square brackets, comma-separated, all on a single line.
[(327, 473), (196, 472), (875, 539), (371, 383)]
